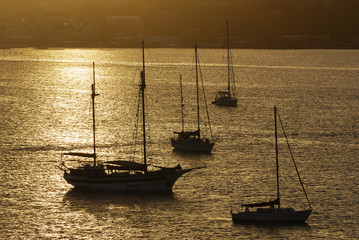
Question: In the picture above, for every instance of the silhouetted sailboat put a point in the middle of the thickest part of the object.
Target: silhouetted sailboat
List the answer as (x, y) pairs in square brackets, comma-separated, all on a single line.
[(122, 176), (192, 141), (228, 97), (272, 213)]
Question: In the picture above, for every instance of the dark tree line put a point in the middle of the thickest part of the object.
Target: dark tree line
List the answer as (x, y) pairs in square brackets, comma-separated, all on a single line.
[(161, 17)]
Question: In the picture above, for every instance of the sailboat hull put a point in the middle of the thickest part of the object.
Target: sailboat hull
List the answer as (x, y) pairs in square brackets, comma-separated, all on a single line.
[(228, 102), (158, 181), (192, 146), (285, 215)]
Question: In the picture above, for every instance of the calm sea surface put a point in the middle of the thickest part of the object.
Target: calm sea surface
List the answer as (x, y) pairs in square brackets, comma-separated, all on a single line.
[(45, 111)]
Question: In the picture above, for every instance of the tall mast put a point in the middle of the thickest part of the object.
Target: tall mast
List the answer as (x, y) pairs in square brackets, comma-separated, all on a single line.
[(276, 153), (228, 60), (143, 86), (93, 95), (195, 51), (181, 102)]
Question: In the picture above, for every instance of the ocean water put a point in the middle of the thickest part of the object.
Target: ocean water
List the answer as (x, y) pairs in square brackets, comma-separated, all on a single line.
[(46, 110)]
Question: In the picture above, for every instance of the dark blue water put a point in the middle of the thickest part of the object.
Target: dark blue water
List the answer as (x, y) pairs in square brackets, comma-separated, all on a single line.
[(45, 111)]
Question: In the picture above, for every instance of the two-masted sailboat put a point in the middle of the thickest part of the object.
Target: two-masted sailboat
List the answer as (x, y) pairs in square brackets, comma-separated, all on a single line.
[(122, 176), (266, 211), (228, 97), (193, 141)]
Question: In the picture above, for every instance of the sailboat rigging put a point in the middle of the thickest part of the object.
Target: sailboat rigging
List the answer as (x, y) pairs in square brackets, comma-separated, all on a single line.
[(192, 141), (122, 176), (228, 97), (93, 95), (272, 213)]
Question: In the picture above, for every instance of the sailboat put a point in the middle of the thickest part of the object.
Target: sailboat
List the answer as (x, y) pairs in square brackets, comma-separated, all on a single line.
[(267, 211), (228, 97), (122, 176), (192, 141)]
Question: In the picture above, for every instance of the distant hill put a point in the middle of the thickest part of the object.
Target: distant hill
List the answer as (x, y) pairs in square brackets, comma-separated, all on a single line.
[(124, 23)]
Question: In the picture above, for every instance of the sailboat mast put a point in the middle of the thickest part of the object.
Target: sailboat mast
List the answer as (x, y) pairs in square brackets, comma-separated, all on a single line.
[(195, 51), (143, 86), (181, 102), (228, 60), (276, 152), (93, 95)]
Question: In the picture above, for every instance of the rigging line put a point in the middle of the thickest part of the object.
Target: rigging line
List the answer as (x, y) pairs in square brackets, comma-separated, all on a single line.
[(148, 126), (139, 140), (233, 77), (181, 88), (197, 91), (295, 165), (135, 134), (205, 100), (228, 59)]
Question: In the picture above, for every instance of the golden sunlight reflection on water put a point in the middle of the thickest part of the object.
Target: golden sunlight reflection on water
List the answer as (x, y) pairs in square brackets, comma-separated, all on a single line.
[(46, 111)]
